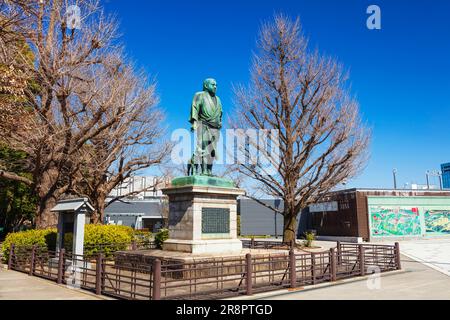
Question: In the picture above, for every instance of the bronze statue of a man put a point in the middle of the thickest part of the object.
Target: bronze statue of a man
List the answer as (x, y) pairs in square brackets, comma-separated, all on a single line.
[(206, 121)]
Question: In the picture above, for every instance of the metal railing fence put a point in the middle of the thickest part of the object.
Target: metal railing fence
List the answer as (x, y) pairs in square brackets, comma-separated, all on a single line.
[(131, 277)]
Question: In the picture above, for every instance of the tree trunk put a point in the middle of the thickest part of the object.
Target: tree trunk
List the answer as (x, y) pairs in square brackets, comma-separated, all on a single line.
[(290, 227), (99, 203), (44, 217), (48, 196)]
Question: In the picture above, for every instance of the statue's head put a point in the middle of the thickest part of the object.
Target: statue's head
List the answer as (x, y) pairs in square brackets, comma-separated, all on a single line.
[(210, 85)]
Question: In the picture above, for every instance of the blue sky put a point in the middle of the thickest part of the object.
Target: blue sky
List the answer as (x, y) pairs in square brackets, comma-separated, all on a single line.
[(399, 74)]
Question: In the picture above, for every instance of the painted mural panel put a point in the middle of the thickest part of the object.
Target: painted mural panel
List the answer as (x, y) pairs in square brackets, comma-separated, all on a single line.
[(394, 221), (437, 222)]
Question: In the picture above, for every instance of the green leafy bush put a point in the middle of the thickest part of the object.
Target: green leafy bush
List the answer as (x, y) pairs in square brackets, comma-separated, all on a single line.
[(143, 236), (160, 237), (42, 238), (310, 237), (17, 202), (104, 238)]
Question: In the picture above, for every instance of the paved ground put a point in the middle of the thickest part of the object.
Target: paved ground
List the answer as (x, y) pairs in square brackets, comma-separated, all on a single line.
[(415, 282), (434, 253), (19, 286), (425, 274)]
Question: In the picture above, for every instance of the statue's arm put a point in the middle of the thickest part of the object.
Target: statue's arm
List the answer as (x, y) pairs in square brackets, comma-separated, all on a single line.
[(221, 110), (195, 107)]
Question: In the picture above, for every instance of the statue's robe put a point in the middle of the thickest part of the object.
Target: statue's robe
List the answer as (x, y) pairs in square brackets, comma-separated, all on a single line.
[(207, 112)]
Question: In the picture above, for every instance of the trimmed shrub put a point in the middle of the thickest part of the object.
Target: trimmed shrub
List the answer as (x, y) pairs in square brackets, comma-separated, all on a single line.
[(105, 238), (143, 236), (42, 238), (160, 237)]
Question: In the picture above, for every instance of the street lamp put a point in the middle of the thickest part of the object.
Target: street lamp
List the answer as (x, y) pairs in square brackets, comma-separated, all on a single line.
[(428, 180), (437, 173), (277, 205), (440, 180), (394, 173)]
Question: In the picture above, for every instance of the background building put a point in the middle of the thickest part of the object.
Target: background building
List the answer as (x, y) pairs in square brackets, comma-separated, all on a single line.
[(374, 214), (138, 214), (445, 169), (257, 219), (141, 204), (139, 187), (418, 186)]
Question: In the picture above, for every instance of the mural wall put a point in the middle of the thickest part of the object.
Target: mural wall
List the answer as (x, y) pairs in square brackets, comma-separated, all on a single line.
[(409, 216), (391, 221), (437, 222)]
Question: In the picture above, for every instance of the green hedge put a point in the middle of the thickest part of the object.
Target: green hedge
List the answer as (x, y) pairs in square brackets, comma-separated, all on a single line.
[(143, 236), (106, 238), (160, 237), (43, 238)]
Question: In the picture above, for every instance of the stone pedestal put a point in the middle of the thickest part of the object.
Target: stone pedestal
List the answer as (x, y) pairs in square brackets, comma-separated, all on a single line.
[(203, 219)]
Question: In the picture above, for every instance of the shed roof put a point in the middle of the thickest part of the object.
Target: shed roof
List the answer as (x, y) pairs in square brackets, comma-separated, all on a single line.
[(73, 205)]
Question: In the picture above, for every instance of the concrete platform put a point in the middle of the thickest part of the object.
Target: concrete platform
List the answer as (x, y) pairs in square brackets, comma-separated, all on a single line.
[(209, 246), (185, 257), (180, 265)]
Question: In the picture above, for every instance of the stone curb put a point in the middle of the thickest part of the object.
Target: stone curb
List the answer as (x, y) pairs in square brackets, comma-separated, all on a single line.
[(100, 297)]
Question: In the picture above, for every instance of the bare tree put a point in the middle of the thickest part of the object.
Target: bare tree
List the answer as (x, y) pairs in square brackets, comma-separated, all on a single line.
[(321, 140), (134, 142), (82, 90)]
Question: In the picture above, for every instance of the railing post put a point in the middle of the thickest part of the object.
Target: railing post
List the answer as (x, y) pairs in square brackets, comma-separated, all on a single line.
[(252, 243), (332, 265), (156, 280), (33, 257), (11, 254), (292, 268), (313, 267), (362, 265), (98, 274), (339, 253), (397, 256), (248, 274), (62, 252)]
